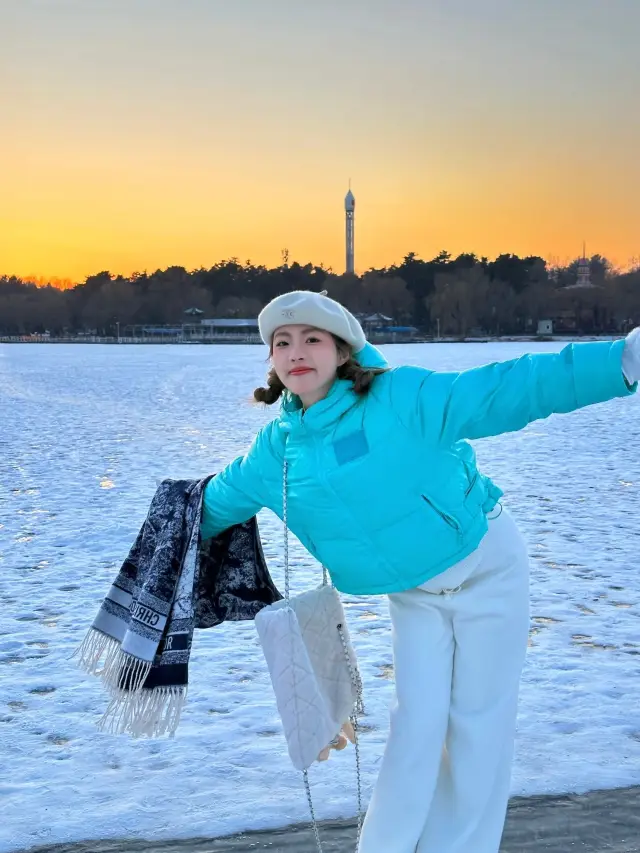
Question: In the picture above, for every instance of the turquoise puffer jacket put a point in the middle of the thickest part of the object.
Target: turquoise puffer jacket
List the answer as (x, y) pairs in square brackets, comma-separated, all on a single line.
[(383, 489)]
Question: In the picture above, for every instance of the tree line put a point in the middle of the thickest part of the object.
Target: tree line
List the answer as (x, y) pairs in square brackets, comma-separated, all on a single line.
[(448, 295)]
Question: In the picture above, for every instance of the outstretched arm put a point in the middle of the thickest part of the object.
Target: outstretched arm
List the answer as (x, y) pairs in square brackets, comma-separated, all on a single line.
[(506, 396), (236, 494)]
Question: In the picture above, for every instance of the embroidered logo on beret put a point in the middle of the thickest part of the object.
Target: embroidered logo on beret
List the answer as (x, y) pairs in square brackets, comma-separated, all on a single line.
[(289, 314)]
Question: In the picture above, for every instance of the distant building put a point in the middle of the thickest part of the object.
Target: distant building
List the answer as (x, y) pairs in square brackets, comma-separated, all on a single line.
[(225, 330), (583, 280), (380, 327), (231, 324)]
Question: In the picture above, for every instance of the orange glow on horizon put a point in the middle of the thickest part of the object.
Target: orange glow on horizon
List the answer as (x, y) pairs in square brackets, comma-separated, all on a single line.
[(189, 137)]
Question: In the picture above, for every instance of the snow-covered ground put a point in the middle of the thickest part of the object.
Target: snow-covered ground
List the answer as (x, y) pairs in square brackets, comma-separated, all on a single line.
[(86, 432)]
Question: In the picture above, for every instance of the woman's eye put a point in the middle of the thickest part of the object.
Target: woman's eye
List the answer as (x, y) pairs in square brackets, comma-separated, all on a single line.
[(313, 340), (281, 344)]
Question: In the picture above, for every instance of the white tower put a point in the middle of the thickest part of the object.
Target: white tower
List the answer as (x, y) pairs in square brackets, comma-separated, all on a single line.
[(349, 213)]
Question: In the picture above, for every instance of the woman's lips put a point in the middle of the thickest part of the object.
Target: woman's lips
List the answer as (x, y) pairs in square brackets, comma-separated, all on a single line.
[(298, 371)]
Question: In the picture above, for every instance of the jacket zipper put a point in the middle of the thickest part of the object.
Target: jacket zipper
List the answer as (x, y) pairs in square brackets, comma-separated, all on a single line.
[(472, 483), (449, 519)]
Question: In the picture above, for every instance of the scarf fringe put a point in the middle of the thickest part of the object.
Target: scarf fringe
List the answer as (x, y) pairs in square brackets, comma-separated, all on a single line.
[(138, 711), (94, 646), (97, 646), (146, 713)]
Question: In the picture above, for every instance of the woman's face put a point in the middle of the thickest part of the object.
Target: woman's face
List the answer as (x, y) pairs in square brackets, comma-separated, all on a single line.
[(306, 361)]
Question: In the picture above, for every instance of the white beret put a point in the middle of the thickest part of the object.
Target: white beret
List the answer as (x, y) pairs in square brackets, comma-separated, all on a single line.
[(311, 309)]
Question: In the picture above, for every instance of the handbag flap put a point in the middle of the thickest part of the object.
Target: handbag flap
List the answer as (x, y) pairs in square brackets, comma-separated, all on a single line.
[(308, 725)]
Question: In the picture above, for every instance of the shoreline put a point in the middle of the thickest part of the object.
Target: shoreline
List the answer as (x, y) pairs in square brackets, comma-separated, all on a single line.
[(602, 821), (255, 341)]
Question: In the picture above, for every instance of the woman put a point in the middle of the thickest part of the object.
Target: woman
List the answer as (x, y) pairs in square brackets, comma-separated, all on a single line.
[(385, 492)]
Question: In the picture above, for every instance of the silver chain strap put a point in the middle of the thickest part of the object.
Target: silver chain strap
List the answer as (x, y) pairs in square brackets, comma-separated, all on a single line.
[(353, 672)]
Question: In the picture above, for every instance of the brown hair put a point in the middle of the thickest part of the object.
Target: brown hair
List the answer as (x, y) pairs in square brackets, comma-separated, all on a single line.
[(361, 377)]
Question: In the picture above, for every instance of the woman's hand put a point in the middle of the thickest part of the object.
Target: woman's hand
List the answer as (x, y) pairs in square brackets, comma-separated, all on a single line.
[(631, 357), (345, 734)]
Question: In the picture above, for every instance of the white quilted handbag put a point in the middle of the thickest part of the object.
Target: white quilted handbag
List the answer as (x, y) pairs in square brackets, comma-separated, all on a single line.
[(313, 669)]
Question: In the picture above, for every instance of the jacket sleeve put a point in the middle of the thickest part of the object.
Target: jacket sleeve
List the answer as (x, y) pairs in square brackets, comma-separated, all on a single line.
[(236, 493), (506, 396)]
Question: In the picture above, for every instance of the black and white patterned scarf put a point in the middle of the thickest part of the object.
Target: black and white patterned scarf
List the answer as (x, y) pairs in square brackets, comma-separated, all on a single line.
[(169, 584)]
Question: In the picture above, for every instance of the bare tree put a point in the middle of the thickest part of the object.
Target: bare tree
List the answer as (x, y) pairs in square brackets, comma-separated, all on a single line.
[(458, 300)]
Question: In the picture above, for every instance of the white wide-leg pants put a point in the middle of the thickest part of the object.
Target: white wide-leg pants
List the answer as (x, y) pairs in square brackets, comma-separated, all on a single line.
[(459, 643)]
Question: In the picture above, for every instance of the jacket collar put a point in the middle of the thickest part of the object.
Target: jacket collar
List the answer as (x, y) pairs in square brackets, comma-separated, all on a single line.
[(323, 414)]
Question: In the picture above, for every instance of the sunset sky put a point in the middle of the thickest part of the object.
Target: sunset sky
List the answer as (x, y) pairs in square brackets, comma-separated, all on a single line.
[(139, 134)]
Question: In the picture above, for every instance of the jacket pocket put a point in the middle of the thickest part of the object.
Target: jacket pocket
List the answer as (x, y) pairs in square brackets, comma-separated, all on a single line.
[(449, 519)]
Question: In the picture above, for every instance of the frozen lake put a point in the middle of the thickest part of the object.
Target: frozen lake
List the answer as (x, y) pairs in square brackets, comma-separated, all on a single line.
[(86, 432)]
